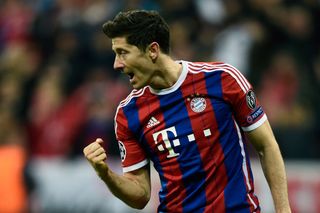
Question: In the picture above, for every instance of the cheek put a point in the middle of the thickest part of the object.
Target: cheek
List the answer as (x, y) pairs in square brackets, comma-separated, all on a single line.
[(143, 67)]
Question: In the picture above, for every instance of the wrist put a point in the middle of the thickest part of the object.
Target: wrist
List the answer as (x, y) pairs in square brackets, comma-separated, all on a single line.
[(283, 210), (103, 171)]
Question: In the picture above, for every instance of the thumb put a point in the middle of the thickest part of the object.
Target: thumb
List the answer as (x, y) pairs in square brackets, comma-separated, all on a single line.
[(99, 140)]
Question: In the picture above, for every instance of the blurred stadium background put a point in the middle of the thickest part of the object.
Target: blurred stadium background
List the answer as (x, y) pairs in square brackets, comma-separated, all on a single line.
[(58, 91)]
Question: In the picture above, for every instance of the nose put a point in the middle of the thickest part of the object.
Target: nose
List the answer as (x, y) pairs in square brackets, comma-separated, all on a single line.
[(118, 64)]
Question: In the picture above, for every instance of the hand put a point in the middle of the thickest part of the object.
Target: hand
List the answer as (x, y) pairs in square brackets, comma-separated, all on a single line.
[(96, 155)]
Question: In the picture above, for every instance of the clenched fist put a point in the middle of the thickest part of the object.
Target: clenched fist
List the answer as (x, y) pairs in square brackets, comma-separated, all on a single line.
[(96, 155)]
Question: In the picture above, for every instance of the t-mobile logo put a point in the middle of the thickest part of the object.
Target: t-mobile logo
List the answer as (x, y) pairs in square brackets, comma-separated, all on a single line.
[(167, 144)]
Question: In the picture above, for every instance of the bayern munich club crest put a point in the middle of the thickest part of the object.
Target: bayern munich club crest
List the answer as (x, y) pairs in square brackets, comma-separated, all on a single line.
[(198, 104)]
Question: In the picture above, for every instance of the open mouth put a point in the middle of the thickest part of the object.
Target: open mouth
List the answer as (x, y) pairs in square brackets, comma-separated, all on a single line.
[(130, 75)]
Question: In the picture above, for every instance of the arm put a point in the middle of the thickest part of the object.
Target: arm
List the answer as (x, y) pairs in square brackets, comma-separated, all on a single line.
[(272, 164), (133, 188)]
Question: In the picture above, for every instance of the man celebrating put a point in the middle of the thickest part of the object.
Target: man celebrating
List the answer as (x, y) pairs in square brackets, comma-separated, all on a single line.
[(191, 119)]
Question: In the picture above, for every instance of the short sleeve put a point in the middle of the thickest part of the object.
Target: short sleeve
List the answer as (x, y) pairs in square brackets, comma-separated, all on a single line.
[(132, 155), (238, 92)]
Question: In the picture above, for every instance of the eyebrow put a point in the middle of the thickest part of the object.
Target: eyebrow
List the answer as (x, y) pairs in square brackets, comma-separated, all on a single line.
[(119, 49)]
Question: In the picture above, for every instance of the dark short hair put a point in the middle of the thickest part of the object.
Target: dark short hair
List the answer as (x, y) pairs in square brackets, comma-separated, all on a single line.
[(140, 28)]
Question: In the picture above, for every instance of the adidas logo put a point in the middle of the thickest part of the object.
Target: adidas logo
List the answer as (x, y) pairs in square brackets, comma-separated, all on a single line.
[(152, 122)]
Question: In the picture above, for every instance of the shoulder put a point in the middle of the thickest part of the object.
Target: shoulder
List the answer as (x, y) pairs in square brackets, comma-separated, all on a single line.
[(126, 109), (208, 67), (133, 95), (222, 68), (227, 72), (129, 102)]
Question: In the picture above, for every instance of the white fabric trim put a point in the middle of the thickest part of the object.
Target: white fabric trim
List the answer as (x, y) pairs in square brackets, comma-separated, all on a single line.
[(236, 74), (240, 76), (134, 93), (135, 166), (180, 80), (256, 124), (244, 165)]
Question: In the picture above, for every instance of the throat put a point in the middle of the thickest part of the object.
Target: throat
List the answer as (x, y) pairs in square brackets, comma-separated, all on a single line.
[(166, 78)]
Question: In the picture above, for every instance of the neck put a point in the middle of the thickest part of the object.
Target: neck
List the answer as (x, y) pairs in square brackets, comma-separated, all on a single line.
[(166, 74)]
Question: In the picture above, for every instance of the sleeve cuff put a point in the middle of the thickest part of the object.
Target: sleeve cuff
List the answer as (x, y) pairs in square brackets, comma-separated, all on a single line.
[(135, 166), (255, 125)]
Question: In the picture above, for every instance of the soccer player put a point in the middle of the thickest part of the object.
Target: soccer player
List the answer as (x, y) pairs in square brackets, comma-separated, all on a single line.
[(191, 119)]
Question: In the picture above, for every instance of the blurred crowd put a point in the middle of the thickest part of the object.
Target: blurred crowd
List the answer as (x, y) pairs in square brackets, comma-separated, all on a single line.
[(58, 89)]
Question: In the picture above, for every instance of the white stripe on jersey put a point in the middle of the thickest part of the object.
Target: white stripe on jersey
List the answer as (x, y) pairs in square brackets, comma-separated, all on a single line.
[(134, 93), (236, 74), (244, 165)]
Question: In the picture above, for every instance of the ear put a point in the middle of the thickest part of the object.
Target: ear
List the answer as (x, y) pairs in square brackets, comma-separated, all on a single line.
[(154, 51)]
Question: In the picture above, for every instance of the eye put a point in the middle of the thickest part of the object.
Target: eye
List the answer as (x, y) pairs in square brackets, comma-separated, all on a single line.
[(122, 52)]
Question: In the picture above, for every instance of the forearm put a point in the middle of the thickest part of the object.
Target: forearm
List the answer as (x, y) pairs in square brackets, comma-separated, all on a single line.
[(272, 164), (133, 187), (129, 190), (274, 170)]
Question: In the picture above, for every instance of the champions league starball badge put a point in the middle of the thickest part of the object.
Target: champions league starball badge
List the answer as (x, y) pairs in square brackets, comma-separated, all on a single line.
[(198, 104), (251, 99), (122, 150)]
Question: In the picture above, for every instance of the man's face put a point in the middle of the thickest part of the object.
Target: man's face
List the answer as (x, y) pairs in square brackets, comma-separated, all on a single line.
[(133, 62)]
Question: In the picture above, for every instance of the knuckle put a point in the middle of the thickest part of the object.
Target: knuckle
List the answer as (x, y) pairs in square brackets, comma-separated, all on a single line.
[(101, 149)]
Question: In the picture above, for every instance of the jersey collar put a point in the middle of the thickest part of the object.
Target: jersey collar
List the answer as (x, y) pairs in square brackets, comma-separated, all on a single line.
[(178, 83)]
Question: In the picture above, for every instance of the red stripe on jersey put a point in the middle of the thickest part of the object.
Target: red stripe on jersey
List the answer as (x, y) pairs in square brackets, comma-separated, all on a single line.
[(209, 148), (124, 134), (150, 107), (233, 93), (119, 118)]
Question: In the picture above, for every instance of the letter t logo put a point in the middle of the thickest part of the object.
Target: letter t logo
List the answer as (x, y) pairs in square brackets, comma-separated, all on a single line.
[(165, 138)]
